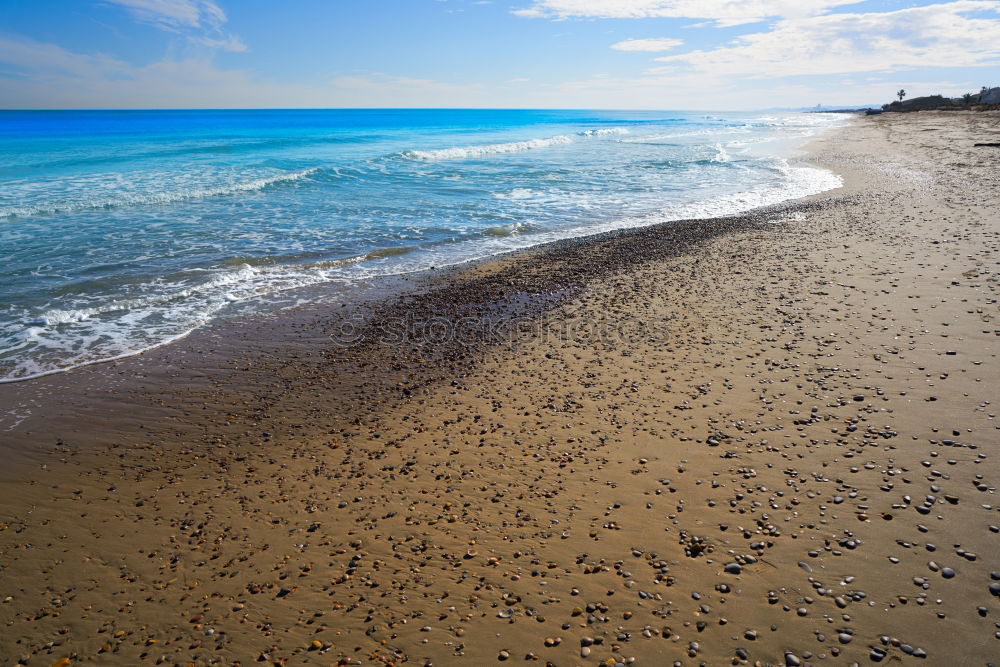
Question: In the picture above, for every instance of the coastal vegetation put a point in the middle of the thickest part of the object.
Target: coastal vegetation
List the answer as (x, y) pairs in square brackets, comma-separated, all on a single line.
[(987, 97)]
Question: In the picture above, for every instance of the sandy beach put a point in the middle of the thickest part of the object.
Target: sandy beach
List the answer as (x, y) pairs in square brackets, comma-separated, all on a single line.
[(766, 439)]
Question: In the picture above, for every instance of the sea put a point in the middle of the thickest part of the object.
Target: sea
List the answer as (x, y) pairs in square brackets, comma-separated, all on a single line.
[(124, 230)]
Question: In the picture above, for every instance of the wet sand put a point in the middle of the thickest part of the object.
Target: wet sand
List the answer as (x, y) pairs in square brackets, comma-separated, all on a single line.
[(767, 439)]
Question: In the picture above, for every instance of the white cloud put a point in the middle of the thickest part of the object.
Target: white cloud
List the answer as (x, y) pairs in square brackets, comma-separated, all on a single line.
[(226, 42), (939, 35), (173, 14), (40, 58), (95, 83), (735, 75), (38, 75), (652, 44), (694, 90), (723, 12), (49, 76), (200, 20)]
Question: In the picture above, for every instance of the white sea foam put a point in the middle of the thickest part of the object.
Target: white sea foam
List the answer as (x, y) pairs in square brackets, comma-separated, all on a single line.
[(56, 316), (516, 193), (797, 182), (606, 131), (125, 327), (149, 196), (464, 153), (484, 150), (721, 155), (704, 132)]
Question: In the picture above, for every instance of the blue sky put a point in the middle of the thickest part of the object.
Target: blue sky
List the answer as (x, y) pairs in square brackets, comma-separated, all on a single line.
[(643, 54)]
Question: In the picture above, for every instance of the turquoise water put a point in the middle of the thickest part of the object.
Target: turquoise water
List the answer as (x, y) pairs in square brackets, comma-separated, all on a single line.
[(120, 231)]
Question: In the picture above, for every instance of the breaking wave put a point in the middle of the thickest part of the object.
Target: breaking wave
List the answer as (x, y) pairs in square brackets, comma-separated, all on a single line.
[(153, 197), (484, 150)]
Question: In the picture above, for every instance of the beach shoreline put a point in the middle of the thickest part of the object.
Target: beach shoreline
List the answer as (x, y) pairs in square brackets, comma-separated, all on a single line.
[(697, 441), (282, 201), (28, 416)]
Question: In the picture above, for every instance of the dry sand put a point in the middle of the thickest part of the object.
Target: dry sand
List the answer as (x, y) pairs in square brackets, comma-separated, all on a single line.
[(768, 439)]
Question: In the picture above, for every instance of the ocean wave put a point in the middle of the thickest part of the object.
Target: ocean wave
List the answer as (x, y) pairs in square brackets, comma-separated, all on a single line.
[(220, 281), (603, 132), (484, 150), (508, 230), (148, 198), (246, 277), (124, 327), (460, 153), (516, 193), (714, 131), (236, 145), (721, 154), (386, 253)]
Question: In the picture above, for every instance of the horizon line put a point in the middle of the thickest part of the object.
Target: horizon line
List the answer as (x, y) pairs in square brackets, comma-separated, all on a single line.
[(830, 106)]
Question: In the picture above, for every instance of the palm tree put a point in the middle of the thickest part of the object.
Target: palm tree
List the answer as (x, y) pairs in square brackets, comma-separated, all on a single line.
[(901, 94)]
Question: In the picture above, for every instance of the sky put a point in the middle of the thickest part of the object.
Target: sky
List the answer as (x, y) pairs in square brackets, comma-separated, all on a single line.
[(552, 54)]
